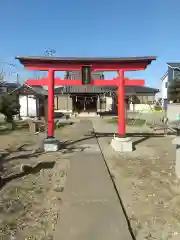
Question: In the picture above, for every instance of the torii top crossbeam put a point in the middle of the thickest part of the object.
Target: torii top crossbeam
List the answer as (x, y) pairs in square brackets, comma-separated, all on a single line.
[(52, 64), (75, 63)]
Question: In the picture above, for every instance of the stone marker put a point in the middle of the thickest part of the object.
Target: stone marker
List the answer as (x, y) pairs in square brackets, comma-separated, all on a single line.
[(47, 144), (51, 145), (123, 144)]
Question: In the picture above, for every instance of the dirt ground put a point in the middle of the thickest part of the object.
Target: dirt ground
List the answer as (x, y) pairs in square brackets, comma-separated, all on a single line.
[(148, 187), (30, 197), (30, 200)]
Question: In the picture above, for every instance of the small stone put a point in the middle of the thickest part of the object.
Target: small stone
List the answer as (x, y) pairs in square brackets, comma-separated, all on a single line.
[(59, 189), (59, 199), (113, 177), (62, 174), (175, 233)]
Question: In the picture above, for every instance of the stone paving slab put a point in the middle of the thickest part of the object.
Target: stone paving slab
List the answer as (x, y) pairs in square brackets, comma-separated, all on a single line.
[(91, 209), (88, 179)]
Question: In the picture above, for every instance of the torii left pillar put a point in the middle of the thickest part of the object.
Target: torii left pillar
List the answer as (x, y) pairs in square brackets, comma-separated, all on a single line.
[(50, 143)]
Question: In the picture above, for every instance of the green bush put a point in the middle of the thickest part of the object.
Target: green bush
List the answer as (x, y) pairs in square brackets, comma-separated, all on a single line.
[(9, 107)]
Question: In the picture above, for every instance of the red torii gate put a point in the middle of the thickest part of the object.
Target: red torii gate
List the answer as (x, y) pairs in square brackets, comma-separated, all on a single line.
[(52, 64)]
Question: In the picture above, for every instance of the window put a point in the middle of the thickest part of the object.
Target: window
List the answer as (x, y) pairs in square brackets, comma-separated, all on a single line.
[(166, 84), (176, 74), (150, 99)]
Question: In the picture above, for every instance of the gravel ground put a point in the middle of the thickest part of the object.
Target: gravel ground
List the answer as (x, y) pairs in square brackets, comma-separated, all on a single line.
[(30, 199), (146, 182)]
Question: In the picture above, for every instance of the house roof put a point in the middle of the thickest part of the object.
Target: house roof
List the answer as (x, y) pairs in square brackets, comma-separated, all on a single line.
[(129, 90), (174, 65), (115, 63), (140, 89), (9, 84), (6, 87), (37, 90), (40, 90)]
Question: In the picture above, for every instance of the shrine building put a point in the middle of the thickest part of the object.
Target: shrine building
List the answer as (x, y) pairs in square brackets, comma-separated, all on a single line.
[(91, 100)]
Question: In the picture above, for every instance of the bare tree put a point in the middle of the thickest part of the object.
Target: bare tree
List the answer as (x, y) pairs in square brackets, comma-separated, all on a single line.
[(7, 70), (2, 73), (1, 76), (50, 52)]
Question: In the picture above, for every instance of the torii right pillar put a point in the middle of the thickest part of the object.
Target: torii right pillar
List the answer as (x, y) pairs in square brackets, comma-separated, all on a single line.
[(121, 143)]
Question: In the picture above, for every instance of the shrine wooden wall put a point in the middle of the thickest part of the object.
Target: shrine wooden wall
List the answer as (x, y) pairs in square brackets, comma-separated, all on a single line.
[(62, 102)]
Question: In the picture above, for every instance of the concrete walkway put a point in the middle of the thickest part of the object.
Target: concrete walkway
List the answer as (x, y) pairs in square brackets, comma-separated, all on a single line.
[(91, 208)]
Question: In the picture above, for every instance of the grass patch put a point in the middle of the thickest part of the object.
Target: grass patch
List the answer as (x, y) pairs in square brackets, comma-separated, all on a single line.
[(20, 125), (59, 125), (6, 128), (130, 121), (23, 125), (16, 125)]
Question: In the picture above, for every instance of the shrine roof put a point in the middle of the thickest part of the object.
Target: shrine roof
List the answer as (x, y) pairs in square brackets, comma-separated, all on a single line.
[(129, 90), (83, 60)]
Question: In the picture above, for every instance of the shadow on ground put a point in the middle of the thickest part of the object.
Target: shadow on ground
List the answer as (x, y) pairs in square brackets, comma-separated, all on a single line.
[(72, 146), (65, 147), (5, 131), (26, 170), (5, 156), (21, 152)]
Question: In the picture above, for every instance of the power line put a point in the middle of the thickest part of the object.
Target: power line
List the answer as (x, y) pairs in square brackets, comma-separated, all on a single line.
[(10, 64)]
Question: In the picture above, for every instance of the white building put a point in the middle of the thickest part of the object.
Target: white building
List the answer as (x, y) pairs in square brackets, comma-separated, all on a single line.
[(32, 101), (164, 86)]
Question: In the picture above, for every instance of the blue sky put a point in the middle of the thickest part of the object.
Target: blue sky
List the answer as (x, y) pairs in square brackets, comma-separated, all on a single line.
[(99, 28)]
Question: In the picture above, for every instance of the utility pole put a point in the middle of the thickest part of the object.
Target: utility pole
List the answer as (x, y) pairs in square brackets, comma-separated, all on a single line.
[(17, 79)]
